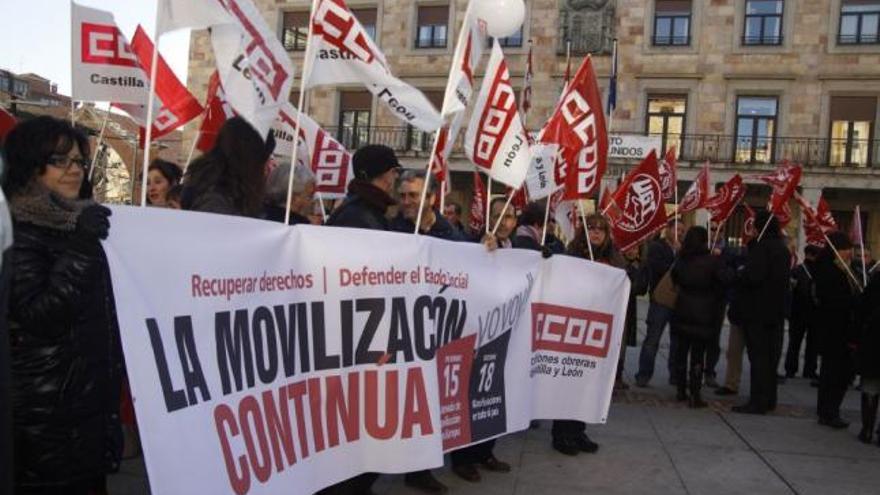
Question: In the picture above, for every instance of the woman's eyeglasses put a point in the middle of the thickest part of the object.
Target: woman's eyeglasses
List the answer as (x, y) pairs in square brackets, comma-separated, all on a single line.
[(65, 162), (595, 227)]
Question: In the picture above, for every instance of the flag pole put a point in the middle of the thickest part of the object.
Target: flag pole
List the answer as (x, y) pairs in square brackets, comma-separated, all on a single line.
[(488, 200), (323, 209), (546, 219), (72, 112), (842, 262), (586, 231), (151, 99), (192, 148), (503, 211), (306, 72), (427, 180), (873, 267), (98, 143), (675, 216), (858, 219)]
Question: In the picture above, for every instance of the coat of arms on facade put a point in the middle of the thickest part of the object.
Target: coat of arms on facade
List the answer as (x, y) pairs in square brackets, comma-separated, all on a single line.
[(588, 24)]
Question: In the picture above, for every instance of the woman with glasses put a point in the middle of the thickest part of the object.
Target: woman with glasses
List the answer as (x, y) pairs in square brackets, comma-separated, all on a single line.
[(66, 360)]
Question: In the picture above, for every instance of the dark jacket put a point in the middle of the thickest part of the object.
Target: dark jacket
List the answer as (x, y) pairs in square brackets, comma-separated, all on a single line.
[(66, 359), (765, 281), (659, 258), (276, 214), (441, 229), (525, 238), (699, 307), (836, 303), (868, 354), (363, 208), (802, 303)]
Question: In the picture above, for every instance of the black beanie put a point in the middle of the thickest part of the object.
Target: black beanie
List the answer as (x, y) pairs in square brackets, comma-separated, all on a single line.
[(373, 160)]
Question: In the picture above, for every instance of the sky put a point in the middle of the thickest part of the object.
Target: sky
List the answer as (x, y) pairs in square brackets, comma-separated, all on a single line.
[(35, 35)]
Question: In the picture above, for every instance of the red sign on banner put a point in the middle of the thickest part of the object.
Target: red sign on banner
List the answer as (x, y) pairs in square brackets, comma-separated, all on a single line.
[(570, 330), (454, 363)]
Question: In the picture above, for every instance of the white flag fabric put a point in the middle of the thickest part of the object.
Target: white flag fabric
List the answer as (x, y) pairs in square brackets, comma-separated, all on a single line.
[(104, 68), (327, 158), (541, 179), (468, 52), (495, 139), (340, 51), (254, 68), (194, 14)]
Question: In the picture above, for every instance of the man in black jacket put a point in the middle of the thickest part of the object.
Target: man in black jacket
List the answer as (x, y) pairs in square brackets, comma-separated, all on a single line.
[(764, 282), (369, 194), (433, 223), (800, 323), (661, 254), (836, 302)]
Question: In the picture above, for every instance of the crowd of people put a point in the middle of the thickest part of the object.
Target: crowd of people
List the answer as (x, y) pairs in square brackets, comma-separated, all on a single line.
[(68, 399)]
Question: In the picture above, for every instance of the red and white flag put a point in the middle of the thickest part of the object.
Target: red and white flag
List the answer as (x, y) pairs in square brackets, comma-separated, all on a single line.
[(749, 230), (817, 222), (495, 140), (175, 105), (104, 67), (697, 195), (254, 67), (784, 180), (722, 204), (607, 206), (642, 212), (340, 51), (668, 174), (7, 122), (217, 111), (478, 205), (578, 127), (783, 215), (526, 95), (194, 14), (328, 159)]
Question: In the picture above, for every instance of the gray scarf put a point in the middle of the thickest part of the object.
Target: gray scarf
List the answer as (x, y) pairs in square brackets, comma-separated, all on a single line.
[(38, 206)]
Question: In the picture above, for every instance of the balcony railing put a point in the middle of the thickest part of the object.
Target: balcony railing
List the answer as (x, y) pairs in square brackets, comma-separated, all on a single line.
[(725, 149)]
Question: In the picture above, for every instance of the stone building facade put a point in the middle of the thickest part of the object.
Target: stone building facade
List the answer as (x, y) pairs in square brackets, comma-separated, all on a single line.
[(743, 84)]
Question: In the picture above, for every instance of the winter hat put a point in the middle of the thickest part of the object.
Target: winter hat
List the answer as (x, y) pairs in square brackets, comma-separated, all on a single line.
[(373, 160), (839, 240)]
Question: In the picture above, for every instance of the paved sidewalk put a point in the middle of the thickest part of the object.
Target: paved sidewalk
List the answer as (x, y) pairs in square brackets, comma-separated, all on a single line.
[(654, 445)]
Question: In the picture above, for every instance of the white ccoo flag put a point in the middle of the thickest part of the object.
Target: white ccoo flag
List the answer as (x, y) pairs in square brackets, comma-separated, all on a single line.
[(495, 139), (194, 14), (340, 51)]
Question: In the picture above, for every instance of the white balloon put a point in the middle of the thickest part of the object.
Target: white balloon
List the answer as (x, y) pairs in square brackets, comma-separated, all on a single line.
[(502, 17)]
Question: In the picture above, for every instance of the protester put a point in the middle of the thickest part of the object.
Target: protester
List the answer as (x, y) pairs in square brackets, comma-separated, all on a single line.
[(66, 359), (800, 322), (638, 277), (230, 178), (466, 460), (570, 437), (764, 280), (736, 340), (301, 198), (661, 254), (173, 197), (530, 229), (453, 213), (161, 177), (433, 223), (5, 392), (868, 358), (701, 278), (836, 302)]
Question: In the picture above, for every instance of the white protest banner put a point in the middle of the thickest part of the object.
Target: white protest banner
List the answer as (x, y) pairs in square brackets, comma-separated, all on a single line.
[(287, 361), (104, 68), (632, 147)]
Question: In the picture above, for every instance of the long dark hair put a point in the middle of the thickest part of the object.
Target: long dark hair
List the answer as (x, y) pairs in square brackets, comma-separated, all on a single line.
[(29, 146), (169, 170), (604, 252), (696, 242), (235, 166)]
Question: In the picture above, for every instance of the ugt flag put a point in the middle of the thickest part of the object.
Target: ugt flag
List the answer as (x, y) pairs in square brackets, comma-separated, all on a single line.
[(668, 175), (495, 139), (784, 181), (642, 212), (697, 195), (729, 195)]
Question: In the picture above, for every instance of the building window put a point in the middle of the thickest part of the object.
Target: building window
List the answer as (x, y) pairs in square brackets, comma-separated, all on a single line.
[(432, 26), (672, 23), (763, 22), (666, 116), (514, 40), (852, 126), (416, 139), (354, 118), (367, 18), (859, 22), (295, 31), (755, 128)]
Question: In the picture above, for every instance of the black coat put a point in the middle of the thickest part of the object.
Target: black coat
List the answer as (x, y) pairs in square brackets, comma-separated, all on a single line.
[(699, 307), (659, 258), (276, 214), (363, 208), (802, 303), (764, 282), (836, 303), (868, 354), (66, 359), (441, 229)]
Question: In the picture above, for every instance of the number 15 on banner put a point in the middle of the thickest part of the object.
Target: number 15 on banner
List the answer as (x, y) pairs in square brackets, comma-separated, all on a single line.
[(454, 363)]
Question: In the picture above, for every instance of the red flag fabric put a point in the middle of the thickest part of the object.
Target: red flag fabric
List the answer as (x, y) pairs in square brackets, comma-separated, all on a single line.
[(642, 212), (784, 182), (7, 122), (697, 195), (607, 206), (817, 223), (729, 195), (439, 163), (749, 230), (478, 205), (783, 215), (578, 127), (667, 174), (217, 112), (519, 200)]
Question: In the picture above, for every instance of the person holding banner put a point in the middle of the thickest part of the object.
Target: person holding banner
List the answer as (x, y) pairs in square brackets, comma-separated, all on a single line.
[(836, 298), (701, 278), (302, 196), (66, 358), (765, 280), (433, 223), (161, 177), (230, 179)]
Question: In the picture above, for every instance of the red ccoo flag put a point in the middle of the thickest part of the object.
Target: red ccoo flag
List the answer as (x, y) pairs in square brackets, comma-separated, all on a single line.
[(642, 212), (729, 195), (697, 195), (668, 174), (478, 205), (578, 127), (217, 111)]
